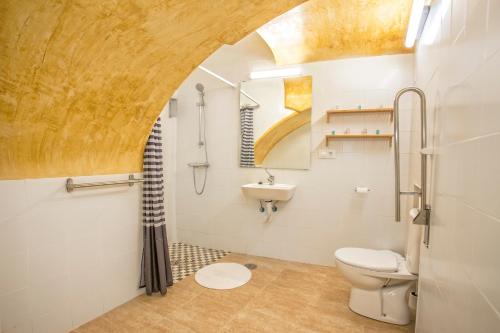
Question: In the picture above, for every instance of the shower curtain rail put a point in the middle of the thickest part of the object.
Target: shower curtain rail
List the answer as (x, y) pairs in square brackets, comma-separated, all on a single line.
[(71, 186), (229, 83)]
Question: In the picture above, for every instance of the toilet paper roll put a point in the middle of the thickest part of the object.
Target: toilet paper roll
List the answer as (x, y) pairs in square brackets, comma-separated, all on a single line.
[(361, 189), (414, 212)]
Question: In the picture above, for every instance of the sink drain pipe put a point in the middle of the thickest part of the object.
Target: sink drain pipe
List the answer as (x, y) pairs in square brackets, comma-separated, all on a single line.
[(269, 207)]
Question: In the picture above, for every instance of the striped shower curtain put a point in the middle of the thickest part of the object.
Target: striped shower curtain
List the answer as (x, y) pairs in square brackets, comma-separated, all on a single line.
[(247, 145), (156, 272)]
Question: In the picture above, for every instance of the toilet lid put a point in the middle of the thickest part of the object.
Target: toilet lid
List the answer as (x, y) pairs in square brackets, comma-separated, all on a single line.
[(375, 260)]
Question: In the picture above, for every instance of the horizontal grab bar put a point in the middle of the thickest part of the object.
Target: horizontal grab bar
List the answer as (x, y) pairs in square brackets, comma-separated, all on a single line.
[(71, 186), (410, 193), (199, 164)]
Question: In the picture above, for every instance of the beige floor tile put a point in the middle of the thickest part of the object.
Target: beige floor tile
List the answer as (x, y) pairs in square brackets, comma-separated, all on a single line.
[(256, 321), (282, 296)]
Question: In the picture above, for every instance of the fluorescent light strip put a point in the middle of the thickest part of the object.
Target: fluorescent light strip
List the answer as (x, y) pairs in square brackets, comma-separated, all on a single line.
[(414, 23), (282, 72)]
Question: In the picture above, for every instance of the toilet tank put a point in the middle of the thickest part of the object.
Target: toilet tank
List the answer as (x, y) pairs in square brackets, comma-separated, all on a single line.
[(413, 243)]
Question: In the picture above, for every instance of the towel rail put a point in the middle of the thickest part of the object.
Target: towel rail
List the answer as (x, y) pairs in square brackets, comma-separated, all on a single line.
[(71, 186)]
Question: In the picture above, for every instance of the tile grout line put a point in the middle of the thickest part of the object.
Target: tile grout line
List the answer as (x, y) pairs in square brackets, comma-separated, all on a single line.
[(261, 290)]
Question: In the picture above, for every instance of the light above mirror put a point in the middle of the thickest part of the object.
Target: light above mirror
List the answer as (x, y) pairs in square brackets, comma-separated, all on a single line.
[(274, 73)]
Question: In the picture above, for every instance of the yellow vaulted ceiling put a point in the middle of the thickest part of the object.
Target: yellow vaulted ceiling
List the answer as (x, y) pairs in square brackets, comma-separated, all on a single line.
[(298, 93), (331, 29), (298, 97), (81, 81)]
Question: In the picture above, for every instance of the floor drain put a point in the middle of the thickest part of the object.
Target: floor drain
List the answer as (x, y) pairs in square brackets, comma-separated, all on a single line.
[(251, 266)]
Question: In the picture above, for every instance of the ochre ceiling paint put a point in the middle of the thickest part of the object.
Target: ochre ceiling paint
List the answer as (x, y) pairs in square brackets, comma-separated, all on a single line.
[(298, 93), (332, 29), (82, 82), (298, 98)]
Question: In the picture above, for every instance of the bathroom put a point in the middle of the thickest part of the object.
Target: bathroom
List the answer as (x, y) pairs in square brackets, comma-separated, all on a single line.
[(83, 85)]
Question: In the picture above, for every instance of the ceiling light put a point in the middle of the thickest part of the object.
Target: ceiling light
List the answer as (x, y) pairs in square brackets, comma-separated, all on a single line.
[(417, 9), (282, 72)]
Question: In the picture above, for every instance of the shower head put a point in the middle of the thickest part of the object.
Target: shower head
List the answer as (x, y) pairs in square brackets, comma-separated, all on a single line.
[(200, 87), (201, 94)]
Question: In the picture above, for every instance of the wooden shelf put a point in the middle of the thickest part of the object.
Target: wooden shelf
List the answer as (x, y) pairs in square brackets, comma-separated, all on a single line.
[(333, 112), (387, 137)]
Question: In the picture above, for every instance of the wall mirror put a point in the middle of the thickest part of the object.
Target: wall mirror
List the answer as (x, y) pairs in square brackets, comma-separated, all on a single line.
[(275, 123)]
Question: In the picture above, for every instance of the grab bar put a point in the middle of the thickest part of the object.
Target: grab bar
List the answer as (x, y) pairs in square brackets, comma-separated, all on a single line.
[(71, 186), (423, 217)]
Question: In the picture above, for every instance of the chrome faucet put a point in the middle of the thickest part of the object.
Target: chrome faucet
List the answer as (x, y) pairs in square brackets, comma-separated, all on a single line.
[(270, 179)]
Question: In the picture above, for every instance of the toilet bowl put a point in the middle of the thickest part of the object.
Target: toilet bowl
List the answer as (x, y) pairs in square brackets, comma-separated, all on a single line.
[(382, 279), (380, 283)]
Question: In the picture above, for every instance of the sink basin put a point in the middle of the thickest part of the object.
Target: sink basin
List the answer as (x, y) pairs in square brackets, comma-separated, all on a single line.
[(278, 192)]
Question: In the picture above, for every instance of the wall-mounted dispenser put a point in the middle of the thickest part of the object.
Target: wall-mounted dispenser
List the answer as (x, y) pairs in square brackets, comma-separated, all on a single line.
[(172, 108)]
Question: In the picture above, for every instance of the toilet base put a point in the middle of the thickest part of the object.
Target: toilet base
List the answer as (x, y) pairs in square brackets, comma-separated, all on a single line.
[(387, 304)]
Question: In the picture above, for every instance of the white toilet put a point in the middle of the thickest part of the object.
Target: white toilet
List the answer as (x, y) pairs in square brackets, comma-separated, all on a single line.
[(382, 279)]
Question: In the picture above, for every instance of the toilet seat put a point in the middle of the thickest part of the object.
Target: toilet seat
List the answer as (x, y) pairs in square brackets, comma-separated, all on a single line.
[(359, 259), (373, 260)]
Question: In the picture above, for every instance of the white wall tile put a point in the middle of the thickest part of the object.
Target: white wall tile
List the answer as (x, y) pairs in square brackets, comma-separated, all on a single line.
[(484, 267), (51, 296), (457, 282), (57, 250), (15, 310), (120, 277), (86, 295), (15, 274), (13, 203), (58, 322), (493, 28), (13, 236), (458, 15)]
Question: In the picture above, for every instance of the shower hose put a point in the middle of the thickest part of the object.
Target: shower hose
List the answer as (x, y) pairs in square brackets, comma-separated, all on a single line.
[(202, 144)]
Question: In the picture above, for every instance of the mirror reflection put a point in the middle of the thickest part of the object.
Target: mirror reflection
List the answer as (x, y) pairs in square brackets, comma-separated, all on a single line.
[(276, 123)]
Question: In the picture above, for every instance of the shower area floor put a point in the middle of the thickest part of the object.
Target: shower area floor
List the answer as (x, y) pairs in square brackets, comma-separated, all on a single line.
[(187, 259), (282, 296)]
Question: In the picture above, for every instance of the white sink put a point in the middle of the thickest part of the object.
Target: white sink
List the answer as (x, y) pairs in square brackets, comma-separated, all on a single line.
[(277, 192)]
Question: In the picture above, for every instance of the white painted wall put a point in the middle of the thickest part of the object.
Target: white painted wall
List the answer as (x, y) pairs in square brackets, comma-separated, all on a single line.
[(66, 258), (458, 66), (325, 213)]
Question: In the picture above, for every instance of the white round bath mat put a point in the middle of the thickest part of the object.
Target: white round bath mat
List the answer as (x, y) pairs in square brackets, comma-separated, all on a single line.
[(223, 276)]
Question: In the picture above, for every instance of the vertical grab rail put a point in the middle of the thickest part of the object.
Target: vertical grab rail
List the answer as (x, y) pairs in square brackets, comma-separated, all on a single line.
[(423, 218)]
